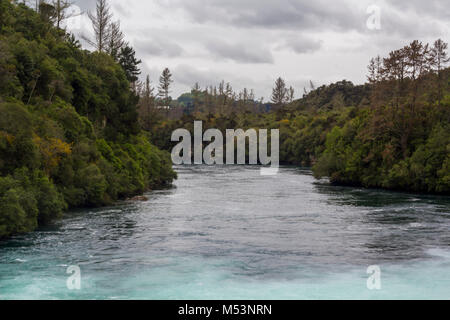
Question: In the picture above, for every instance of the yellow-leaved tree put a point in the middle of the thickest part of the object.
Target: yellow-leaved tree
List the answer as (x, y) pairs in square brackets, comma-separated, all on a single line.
[(52, 151)]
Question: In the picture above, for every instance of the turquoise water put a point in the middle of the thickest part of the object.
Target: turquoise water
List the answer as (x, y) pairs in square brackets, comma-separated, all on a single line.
[(229, 233)]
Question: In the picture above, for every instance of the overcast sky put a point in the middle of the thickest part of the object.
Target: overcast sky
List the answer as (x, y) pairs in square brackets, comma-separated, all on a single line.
[(252, 42)]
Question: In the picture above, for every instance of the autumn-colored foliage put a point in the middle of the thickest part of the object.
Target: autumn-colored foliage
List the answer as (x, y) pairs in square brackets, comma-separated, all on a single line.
[(52, 151)]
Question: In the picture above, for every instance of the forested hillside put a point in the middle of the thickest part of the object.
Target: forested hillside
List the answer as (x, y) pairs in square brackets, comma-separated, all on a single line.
[(392, 132), (69, 133), (402, 141)]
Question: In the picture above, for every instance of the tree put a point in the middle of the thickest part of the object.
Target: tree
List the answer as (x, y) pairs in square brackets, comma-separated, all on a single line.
[(401, 82), (129, 63), (72, 41), (164, 86), (279, 93), (7, 73), (417, 59), (375, 70), (2, 14), (196, 91), (60, 11), (252, 95), (116, 40), (438, 59), (439, 56), (228, 95), (82, 148), (291, 94), (146, 104), (47, 11), (52, 150), (149, 99), (100, 23)]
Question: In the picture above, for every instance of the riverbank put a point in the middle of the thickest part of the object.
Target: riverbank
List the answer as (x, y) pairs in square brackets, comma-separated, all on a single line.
[(69, 130)]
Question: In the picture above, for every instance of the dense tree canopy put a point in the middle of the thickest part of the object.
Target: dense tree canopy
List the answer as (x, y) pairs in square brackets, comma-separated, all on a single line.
[(393, 132), (69, 132)]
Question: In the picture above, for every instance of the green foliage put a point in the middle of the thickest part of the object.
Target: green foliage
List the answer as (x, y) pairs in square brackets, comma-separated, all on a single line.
[(128, 61), (18, 208), (334, 96), (27, 198), (403, 140), (69, 133), (354, 135), (356, 155), (427, 169), (16, 138)]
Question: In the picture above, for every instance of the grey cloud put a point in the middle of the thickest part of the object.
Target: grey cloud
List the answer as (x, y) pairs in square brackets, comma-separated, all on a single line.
[(159, 47), (301, 44), (187, 75), (240, 52), (85, 4), (213, 34), (89, 5), (402, 19), (436, 8), (280, 14), (318, 15), (122, 9)]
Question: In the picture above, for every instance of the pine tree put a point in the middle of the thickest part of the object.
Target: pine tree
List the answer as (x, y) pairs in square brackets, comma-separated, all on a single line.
[(291, 94), (438, 60), (164, 86), (196, 91), (279, 93), (47, 11), (148, 100), (116, 40), (129, 63), (100, 23)]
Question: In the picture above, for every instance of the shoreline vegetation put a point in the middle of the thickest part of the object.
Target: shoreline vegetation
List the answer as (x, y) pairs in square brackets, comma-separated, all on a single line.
[(69, 133), (79, 129), (391, 133)]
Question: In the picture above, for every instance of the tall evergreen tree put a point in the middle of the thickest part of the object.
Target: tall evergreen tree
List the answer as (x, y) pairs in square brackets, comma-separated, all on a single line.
[(116, 40), (47, 11), (128, 61), (279, 93), (164, 86), (291, 94), (196, 91), (439, 59)]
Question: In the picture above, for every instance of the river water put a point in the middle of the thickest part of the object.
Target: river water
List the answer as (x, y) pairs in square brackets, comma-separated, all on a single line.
[(229, 233)]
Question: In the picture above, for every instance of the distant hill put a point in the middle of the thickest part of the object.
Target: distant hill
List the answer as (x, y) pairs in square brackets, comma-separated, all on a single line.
[(336, 95)]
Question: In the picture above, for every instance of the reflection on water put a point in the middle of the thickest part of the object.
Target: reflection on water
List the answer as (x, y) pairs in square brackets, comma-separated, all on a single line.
[(405, 225), (227, 232)]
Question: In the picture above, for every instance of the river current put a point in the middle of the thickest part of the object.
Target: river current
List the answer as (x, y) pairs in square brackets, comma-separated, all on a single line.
[(226, 232)]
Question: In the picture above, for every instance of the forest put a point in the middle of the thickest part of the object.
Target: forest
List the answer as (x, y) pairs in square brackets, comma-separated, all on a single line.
[(69, 131), (392, 132)]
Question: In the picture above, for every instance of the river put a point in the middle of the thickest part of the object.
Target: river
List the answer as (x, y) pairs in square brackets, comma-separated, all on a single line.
[(230, 233)]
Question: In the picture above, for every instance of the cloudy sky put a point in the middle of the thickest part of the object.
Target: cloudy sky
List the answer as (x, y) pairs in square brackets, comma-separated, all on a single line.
[(252, 42)]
